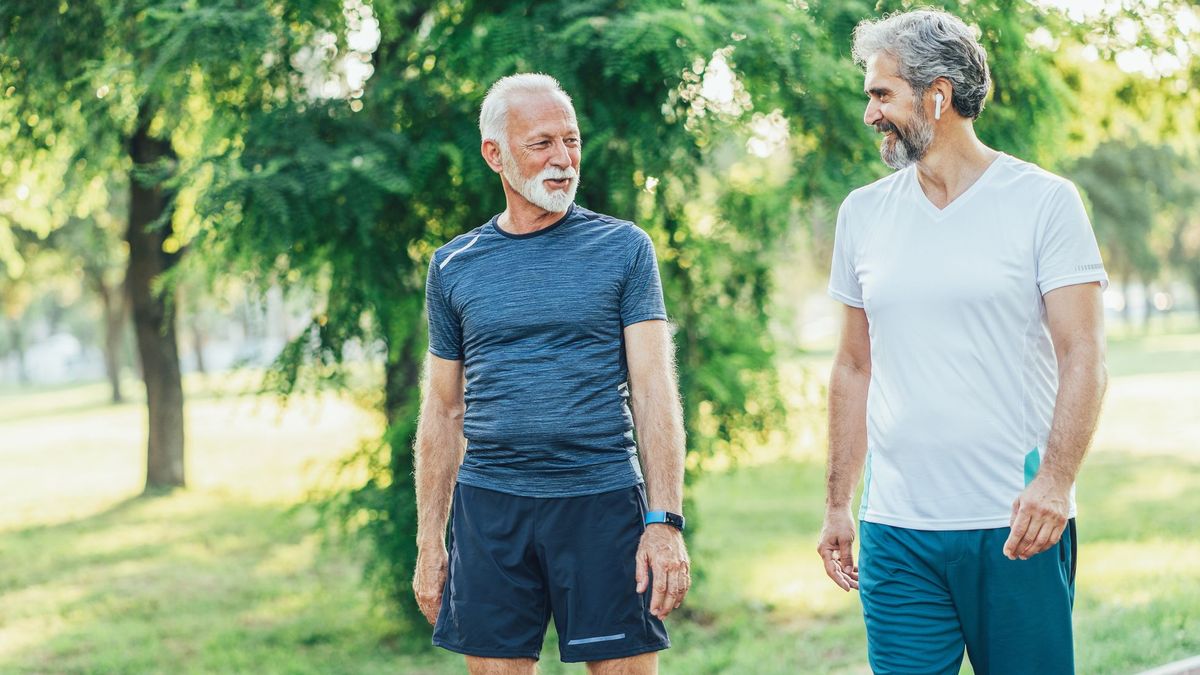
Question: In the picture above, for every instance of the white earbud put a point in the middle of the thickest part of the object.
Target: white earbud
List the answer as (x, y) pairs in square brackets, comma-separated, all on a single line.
[(937, 105)]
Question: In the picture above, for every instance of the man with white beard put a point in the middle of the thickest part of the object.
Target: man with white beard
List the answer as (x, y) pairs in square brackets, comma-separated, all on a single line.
[(969, 374), (548, 340)]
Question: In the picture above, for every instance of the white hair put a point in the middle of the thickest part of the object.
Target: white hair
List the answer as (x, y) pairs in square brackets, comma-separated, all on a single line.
[(493, 114), (928, 44)]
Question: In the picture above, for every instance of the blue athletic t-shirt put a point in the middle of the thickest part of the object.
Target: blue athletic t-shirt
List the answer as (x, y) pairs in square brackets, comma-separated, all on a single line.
[(537, 320)]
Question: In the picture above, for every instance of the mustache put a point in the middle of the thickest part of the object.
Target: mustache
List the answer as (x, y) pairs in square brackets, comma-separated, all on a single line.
[(552, 173), (886, 127)]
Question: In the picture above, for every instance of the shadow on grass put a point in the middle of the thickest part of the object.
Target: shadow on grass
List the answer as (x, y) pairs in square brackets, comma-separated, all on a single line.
[(49, 401), (192, 582), (68, 409)]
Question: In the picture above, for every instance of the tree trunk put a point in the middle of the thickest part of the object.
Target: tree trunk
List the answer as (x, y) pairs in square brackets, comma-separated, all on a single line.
[(198, 345), (1196, 290), (1126, 308), (17, 336), (114, 320), (150, 207), (197, 332)]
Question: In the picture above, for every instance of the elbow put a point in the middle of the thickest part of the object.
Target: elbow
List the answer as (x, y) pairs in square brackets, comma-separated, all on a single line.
[(846, 371), (443, 412), (454, 413)]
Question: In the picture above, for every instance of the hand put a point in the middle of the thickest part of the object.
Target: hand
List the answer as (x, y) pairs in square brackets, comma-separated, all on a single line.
[(662, 552), (836, 547), (1039, 515), (429, 579)]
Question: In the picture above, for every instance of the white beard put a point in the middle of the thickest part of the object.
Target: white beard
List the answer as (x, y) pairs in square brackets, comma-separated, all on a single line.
[(534, 190)]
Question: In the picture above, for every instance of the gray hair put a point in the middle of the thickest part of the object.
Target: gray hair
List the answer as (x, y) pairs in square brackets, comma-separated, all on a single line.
[(928, 44), (493, 114)]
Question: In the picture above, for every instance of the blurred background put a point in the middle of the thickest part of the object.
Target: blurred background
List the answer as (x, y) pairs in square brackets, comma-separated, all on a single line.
[(215, 221)]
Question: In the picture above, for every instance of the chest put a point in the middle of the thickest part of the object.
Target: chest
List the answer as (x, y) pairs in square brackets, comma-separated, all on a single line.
[(541, 291), (914, 263)]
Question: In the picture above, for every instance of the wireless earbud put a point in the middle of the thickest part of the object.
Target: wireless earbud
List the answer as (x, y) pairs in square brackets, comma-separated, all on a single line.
[(937, 105)]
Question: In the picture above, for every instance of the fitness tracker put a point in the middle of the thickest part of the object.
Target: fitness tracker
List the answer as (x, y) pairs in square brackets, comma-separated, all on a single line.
[(666, 517)]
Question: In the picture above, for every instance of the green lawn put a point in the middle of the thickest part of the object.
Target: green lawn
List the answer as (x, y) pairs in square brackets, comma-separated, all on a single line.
[(232, 576)]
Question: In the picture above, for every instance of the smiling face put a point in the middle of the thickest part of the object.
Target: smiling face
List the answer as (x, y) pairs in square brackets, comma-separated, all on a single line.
[(541, 160), (896, 112)]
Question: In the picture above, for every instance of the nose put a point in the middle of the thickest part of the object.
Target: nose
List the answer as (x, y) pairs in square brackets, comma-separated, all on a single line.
[(561, 158), (872, 115)]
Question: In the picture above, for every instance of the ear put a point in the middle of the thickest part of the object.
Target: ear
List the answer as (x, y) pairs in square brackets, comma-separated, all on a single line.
[(941, 86), (491, 154)]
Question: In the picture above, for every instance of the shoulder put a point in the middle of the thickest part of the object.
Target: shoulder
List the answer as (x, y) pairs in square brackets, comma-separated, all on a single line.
[(864, 206), (456, 245), (610, 227), (1029, 179), (876, 192)]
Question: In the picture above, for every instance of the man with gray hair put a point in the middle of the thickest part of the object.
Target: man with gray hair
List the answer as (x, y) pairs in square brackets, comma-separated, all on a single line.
[(548, 340), (968, 377)]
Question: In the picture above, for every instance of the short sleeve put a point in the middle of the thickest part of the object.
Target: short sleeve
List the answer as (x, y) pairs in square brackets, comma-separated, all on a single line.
[(1067, 252), (642, 296), (445, 328), (843, 277)]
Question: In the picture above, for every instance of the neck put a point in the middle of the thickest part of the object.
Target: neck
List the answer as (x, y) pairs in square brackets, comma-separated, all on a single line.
[(522, 216), (953, 163)]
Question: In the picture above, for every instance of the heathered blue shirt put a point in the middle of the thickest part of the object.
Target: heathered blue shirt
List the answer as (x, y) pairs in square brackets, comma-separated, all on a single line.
[(538, 320)]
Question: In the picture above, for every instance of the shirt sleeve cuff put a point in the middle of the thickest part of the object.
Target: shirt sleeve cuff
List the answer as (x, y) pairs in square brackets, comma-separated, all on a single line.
[(845, 299), (1073, 279), (447, 355), (638, 318)]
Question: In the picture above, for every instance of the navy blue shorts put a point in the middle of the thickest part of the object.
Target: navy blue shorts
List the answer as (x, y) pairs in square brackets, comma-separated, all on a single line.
[(515, 561)]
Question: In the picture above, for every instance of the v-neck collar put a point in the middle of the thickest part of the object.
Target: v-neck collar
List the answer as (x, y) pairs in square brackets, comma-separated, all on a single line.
[(956, 204)]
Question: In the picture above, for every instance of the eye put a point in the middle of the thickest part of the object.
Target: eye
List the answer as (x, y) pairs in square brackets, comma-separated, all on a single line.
[(541, 145), (571, 142)]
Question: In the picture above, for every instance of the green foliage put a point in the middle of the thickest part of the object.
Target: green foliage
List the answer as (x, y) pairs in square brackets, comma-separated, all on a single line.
[(1131, 186)]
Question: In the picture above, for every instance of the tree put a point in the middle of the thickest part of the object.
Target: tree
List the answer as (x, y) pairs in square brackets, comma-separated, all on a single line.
[(127, 86), (1130, 186), (92, 245), (1184, 254)]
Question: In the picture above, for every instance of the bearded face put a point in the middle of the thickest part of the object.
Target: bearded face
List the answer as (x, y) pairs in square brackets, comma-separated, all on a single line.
[(552, 188), (897, 111), (905, 143)]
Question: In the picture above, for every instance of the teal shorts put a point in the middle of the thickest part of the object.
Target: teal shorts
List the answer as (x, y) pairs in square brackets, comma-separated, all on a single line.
[(927, 594)]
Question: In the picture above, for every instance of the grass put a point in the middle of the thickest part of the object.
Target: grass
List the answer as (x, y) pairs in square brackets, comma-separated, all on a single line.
[(233, 576)]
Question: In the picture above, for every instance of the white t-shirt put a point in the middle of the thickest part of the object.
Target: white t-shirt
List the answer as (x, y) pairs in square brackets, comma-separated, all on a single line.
[(963, 372)]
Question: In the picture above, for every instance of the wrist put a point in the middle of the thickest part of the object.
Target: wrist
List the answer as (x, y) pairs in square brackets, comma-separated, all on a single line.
[(429, 545), (1055, 478), (668, 519)]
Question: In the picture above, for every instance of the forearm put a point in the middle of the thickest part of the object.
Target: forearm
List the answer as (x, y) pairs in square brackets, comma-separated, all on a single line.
[(659, 419), (847, 433), (1082, 380), (438, 453)]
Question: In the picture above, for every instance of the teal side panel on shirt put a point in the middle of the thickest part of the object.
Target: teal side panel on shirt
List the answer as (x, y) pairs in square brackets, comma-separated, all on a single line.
[(862, 509), (1033, 461)]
